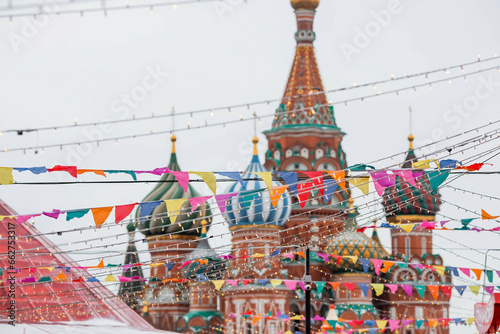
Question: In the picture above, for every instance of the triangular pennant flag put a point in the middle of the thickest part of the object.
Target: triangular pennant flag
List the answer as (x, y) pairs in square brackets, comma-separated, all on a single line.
[(422, 164), (6, 175), (197, 201), (329, 185), (408, 288), (446, 290), (466, 271), (110, 278), (256, 319), (434, 289), (420, 289), (317, 179), (432, 322), (275, 282), (393, 324), (439, 269), (233, 282), (182, 178), (470, 321), (489, 289), (489, 275), (266, 177), (246, 198), (407, 227), (338, 176), (486, 215), (291, 180), (366, 264), (474, 288), (381, 324), (76, 214), (334, 285), (291, 285), (361, 183), (233, 175), (174, 207), (100, 215), (222, 199), (419, 323), (387, 266), (304, 190), (349, 286), (302, 286), (378, 287), (218, 284), (61, 278), (275, 194), (122, 211), (407, 175), (392, 287), (209, 179), (377, 264), (448, 163), (262, 282), (478, 273), (319, 287), (364, 288), (95, 171), (381, 180), (460, 288), (353, 258), (70, 169), (146, 208), (436, 178)]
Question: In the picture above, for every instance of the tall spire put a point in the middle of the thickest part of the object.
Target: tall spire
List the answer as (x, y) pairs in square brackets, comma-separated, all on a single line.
[(255, 140), (304, 102), (410, 157)]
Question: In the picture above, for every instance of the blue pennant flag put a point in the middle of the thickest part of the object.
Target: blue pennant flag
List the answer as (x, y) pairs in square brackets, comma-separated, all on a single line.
[(448, 163), (460, 288), (147, 207), (202, 277), (92, 279), (262, 282), (364, 287), (276, 252), (169, 265), (330, 186), (370, 323), (291, 180), (34, 170), (233, 175), (453, 270), (373, 330), (365, 263)]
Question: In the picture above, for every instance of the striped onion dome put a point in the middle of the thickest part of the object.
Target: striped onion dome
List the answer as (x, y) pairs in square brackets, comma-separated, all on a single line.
[(160, 222), (260, 209)]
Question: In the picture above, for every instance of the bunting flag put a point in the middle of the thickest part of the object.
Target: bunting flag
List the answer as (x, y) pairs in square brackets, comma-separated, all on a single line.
[(122, 211), (95, 171), (110, 278), (53, 214), (319, 287), (381, 180), (377, 264), (182, 178), (146, 208), (266, 177), (424, 164), (34, 170), (69, 169), (197, 201), (378, 287), (381, 324), (334, 285), (392, 287), (387, 266), (393, 324), (24, 218), (174, 207), (361, 183), (76, 214), (474, 289), (218, 284), (477, 272), (473, 167), (304, 190), (349, 286), (291, 179), (408, 289), (291, 285), (366, 264), (434, 289), (100, 215), (446, 290), (222, 199), (209, 179), (364, 288), (339, 177), (448, 163), (485, 215), (275, 194), (317, 179), (436, 178), (460, 288), (6, 175), (235, 176), (329, 185), (275, 282)]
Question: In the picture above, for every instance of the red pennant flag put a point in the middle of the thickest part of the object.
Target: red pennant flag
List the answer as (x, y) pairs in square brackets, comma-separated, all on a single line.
[(317, 179), (122, 211), (473, 167), (246, 281), (349, 286), (304, 189), (447, 290), (70, 169)]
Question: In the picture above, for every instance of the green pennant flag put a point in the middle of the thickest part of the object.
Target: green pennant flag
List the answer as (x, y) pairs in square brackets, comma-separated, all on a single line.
[(359, 167), (319, 287), (489, 274), (420, 290), (45, 279), (76, 214), (247, 197), (436, 178), (418, 323), (112, 265), (129, 172), (332, 323), (465, 223)]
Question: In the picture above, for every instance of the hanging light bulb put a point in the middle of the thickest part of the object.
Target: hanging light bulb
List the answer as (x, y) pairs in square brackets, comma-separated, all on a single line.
[(151, 10)]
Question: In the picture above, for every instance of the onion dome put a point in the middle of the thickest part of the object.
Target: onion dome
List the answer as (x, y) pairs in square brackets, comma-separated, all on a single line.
[(304, 4), (158, 222), (200, 321), (256, 208), (353, 243), (422, 199)]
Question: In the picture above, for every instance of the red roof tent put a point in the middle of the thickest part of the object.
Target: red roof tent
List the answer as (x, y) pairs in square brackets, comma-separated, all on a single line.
[(55, 302), (487, 315)]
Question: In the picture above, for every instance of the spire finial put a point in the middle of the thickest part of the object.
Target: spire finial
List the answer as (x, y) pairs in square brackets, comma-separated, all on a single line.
[(255, 140), (410, 136), (173, 138)]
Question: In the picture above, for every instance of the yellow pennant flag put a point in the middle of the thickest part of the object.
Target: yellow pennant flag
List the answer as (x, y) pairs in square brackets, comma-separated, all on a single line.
[(174, 207), (439, 269), (110, 278), (50, 268), (276, 282), (296, 317), (6, 175), (257, 255), (474, 288), (422, 164), (379, 289), (381, 324), (288, 332), (353, 258), (156, 264), (209, 179), (276, 193), (266, 177), (361, 183), (470, 321), (407, 227), (100, 215), (218, 284)]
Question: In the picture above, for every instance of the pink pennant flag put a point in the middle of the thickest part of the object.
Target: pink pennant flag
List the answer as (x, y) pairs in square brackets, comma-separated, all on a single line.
[(127, 266), (428, 225), (233, 282), (407, 175), (324, 256), (466, 271), (392, 287), (408, 288), (318, 318), (232, 315), (221, 200), (124, 279), (317, 179), (406, 322), (302, 285), (393, 324), (197, 201), (288, 255), (182, 178), (489, 289), (381, 180), (25, 218), (160, 171), (444, 222), (53, 214), (498, 273), (377, 264), (291, 285), (184, 264)]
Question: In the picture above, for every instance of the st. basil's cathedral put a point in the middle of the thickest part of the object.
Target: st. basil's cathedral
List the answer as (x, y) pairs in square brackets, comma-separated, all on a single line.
[(304, 137)]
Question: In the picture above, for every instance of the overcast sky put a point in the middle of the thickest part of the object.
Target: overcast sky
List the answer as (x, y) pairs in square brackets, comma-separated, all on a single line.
[(212, 55)]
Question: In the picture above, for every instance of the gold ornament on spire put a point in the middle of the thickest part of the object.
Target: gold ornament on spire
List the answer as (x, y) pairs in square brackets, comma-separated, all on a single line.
[(173, 138), (304, 4)]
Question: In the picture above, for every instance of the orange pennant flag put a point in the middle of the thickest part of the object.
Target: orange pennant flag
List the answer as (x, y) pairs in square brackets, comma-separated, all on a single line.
[(339, 176), (276, 193), (478, 273), (434, 289), (334, 285), (256, 319), (100, 215), (387, 266), (60, 278), (301, 253), (95, 171), (101, 264), (486, 215), (433, 322)]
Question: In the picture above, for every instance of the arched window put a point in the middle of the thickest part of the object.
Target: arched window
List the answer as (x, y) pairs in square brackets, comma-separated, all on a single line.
[(277, 155), (319, 153), (304, 153), (288, 153)]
